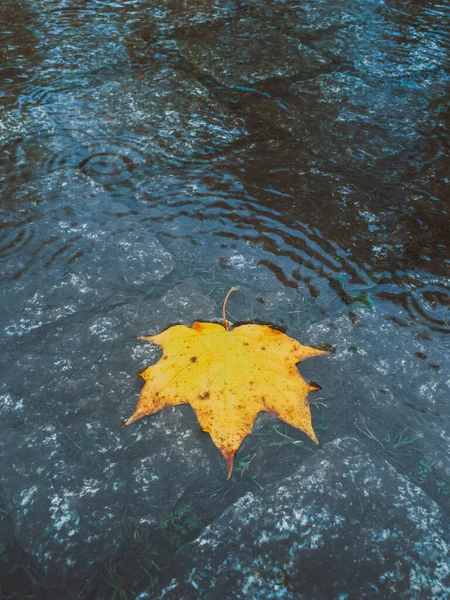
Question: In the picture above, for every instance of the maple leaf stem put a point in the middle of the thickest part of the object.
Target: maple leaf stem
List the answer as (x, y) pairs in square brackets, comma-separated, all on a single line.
[(233, 289)]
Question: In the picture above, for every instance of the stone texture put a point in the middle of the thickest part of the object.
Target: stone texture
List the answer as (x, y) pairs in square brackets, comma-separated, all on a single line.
[(296, 149), (244, 54), (167, 117), (345, 525), (67, 249), (75, 481)]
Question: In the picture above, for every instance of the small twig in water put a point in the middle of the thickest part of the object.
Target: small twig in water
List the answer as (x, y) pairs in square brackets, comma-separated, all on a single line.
[(66, 434)]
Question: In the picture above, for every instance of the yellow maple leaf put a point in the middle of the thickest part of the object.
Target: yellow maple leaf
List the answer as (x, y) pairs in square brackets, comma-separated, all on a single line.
[(228, 377)]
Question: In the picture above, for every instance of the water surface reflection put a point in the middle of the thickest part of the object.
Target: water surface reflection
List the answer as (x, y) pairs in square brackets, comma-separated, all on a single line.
[(327, 123), (298, 149)]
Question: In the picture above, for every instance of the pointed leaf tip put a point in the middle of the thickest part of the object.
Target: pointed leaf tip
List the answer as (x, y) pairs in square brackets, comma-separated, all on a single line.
[(229, 462)]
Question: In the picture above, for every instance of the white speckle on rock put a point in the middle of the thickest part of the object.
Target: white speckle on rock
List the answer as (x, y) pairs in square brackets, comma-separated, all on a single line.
[(28, 494), (61, 514), (103, 328), (90, 487), (249, 583), (284, 525), (426, 390), (239, 262), (383, 366), (8, 402), (64, 365), (264, 537), (147, 351), (80, 283), (49, 439), (21, 326), (126, 245), (381, 536)]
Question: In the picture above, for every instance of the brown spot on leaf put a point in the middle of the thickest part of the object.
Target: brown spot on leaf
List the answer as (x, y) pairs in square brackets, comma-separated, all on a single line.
[(193, 359)]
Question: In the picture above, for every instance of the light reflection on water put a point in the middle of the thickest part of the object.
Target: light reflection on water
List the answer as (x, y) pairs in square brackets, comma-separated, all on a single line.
[(329, 154)]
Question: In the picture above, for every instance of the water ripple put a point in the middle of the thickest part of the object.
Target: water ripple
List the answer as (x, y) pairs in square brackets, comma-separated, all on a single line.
[(326, 161), (16, 233)]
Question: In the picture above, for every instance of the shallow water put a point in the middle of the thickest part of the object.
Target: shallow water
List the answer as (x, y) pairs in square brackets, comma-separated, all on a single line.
[(316, 134), (298, 147)]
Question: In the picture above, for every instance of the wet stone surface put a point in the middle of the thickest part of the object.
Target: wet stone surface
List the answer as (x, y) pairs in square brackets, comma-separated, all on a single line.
[(171, 114), (152, 155), (80, 256), (345, 525), (76, 481), (272, 54)]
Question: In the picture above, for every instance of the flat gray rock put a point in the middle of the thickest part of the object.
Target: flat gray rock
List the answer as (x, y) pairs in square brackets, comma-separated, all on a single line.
[(345, 525), (156, 121), (64, 249), (74, 480), (244, 54)]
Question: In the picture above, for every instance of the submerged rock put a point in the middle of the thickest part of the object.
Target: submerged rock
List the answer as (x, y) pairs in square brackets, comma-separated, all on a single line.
[(244, 54), (69, 247)]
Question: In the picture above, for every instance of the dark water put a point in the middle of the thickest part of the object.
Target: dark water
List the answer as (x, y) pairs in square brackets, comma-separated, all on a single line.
[(294, 146), (316, 134)]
